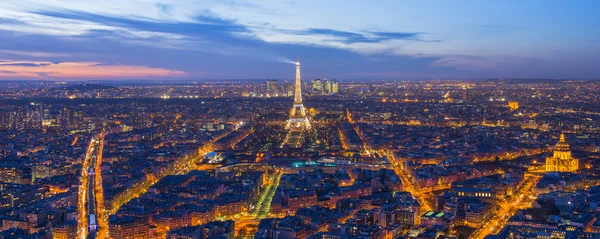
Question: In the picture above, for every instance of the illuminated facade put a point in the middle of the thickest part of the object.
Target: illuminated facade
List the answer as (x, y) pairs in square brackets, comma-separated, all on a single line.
[(64, 231), (317, 86), (130, 227), (562, 161), (513, 105), (273, 88), (298, 119), (334, 87)]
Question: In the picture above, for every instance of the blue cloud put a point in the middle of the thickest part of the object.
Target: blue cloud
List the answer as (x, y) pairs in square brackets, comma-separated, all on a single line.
[(206, 25), (164, 8), (249, 58), (10, 21), (26, 64), (354, 37)]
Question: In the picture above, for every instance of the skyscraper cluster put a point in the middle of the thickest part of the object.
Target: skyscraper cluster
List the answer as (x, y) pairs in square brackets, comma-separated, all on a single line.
[(325, 87), (275, 89)]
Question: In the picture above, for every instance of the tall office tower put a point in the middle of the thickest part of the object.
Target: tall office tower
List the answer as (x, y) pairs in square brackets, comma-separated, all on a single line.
[(298, 118), (268, 88), (288, 89), (273, 88), (327, 87), (334, 86), (317, 86)]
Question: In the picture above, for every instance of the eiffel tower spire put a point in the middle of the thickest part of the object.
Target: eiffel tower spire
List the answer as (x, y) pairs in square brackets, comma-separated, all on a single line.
[(298, 85)]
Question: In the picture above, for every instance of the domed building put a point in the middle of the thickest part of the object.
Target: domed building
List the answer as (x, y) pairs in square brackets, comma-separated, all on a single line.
[(562, 161)]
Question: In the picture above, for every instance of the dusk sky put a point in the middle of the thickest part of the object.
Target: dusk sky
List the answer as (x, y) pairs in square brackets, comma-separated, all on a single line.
[(345, 39)]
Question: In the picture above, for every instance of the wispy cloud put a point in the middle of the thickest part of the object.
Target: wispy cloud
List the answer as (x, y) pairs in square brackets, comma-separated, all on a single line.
[(35, 54), (37, 23), (354, 37), (178, 24), (26, 64), (5, 72)]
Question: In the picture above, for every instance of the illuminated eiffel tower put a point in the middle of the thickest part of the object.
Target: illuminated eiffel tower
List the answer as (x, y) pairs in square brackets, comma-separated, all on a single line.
[(298, 120)]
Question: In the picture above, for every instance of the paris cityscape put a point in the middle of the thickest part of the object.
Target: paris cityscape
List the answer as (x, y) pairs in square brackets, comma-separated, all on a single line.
[(93, 147)]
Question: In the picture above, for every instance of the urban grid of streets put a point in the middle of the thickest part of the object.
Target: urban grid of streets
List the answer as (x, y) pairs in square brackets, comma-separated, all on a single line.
[(93, 218), (260, 210), (83, 194), (407, 183), (91, 163), (263, 205), (91, 189), (525, 196)]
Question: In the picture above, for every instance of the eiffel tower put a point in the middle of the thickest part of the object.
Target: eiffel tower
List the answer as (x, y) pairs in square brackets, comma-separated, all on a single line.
[(298, 120)]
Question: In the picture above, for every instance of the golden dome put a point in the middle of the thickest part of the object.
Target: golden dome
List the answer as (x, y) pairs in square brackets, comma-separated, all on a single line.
[(562, 144)]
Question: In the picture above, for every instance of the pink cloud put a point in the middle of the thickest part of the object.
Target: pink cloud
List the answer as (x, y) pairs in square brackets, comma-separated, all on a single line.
[(44, 69)]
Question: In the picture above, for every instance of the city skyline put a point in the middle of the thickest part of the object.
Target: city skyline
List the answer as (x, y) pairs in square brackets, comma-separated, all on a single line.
[(379, 160), (189, 40)]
